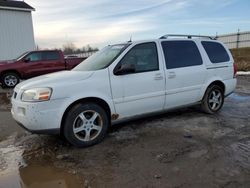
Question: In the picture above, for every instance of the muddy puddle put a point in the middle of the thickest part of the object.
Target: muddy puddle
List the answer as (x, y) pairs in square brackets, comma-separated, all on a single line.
[(15, 172), (37, 176)]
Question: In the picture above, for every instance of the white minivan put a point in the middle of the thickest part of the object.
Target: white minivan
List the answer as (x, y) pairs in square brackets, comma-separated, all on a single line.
[(126, 81)]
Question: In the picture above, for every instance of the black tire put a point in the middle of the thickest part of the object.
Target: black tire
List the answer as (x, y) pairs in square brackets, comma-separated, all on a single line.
[(208, 100), (74, 121), (10, 80)]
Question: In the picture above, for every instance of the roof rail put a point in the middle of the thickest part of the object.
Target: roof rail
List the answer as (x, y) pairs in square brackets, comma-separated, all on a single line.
[(188, 36)]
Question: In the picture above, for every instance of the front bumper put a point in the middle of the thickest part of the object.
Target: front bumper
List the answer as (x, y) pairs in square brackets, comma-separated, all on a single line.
[(38, 117), (44, 131)]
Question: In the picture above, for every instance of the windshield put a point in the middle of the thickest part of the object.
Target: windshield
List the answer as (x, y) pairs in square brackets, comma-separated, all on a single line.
[(21, 56), (101, 59)]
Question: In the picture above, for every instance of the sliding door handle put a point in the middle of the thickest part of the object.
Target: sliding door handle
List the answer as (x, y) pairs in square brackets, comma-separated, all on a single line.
[(171, 75)]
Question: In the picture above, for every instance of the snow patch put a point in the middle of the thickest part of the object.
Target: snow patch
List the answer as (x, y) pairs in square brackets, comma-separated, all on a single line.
[(243, 73)]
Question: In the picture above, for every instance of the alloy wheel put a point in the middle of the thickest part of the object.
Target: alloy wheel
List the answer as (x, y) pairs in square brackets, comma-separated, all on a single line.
[(10, 80), (215, 99), (87, 125)]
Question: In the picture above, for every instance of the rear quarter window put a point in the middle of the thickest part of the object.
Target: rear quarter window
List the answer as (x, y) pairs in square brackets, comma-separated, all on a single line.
[(216, 52)]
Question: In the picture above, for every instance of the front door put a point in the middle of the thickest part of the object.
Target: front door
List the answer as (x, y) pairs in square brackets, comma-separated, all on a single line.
[(142, 91), (33, 64)]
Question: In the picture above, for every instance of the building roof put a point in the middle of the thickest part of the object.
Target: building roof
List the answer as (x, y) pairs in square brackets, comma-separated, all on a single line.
[(15, 5)]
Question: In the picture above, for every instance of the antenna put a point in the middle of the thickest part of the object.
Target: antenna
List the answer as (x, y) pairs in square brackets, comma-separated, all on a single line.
[(130, 40)]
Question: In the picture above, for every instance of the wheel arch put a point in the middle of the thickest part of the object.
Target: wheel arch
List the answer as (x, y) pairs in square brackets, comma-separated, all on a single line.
[(95, 100), (217, 82), (205, 102), (10, 70)]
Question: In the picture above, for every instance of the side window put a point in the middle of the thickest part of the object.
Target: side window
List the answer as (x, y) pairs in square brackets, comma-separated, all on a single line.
[(53, 55), (143, 56), (215, 51), (34, 56), (181, 54)]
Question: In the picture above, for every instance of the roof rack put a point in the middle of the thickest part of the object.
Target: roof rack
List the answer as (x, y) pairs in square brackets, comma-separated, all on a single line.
[(188, 36)]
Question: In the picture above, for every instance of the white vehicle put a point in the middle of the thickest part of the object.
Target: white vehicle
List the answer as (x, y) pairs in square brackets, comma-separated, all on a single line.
[(126, 81)]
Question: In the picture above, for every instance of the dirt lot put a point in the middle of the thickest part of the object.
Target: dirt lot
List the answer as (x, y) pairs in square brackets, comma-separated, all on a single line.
[(183, 148)]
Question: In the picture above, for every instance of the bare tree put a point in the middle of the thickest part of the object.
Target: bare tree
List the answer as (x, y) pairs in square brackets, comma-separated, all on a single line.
[(69, 48)]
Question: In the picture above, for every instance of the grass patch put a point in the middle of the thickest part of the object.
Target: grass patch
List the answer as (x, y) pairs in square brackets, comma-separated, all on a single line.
[(242, 58)]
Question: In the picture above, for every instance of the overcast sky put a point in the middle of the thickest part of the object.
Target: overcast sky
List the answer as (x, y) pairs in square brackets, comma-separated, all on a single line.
[(103, 22)]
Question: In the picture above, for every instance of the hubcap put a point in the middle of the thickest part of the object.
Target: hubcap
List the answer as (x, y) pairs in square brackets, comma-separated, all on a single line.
[(87, 125), (215, 99), (10, 80)]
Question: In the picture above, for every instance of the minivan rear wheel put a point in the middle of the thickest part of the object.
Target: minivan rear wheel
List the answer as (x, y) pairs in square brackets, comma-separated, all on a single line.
[(85, 125), (213, 99)]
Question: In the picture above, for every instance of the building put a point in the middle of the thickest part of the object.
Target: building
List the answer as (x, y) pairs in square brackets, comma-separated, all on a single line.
[(235, 40), (16, 29)]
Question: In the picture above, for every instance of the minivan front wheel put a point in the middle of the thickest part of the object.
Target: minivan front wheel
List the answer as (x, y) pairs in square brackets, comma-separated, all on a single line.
[(213, 99), (85, 125)]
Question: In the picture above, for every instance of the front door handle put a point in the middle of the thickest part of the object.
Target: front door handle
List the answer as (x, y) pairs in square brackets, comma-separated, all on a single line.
[(171, 75), (158, 76)]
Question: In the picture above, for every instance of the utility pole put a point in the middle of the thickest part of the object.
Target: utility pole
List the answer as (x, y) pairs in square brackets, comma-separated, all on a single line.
[(238, 39)]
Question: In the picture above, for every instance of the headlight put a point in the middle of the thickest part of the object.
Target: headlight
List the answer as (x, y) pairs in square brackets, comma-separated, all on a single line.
[(37, 95)]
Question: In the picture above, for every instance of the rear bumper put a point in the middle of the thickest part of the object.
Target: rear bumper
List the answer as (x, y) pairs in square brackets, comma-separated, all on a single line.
[(230, 86)]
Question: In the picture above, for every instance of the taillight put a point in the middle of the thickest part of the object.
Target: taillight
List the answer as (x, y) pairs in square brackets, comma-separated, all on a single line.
[(235, 70)]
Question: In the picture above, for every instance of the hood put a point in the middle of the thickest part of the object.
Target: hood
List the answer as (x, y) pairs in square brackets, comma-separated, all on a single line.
[(7, 62), (58, 78)]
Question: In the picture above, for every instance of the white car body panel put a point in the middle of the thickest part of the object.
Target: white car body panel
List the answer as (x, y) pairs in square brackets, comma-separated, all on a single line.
[(126, 95)]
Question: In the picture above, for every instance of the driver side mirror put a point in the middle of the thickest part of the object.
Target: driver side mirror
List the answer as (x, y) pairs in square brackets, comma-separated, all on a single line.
[(26, 60), (124, 69)]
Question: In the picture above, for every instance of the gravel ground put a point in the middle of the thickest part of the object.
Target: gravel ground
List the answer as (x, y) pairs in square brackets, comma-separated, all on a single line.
[(179, 149)]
